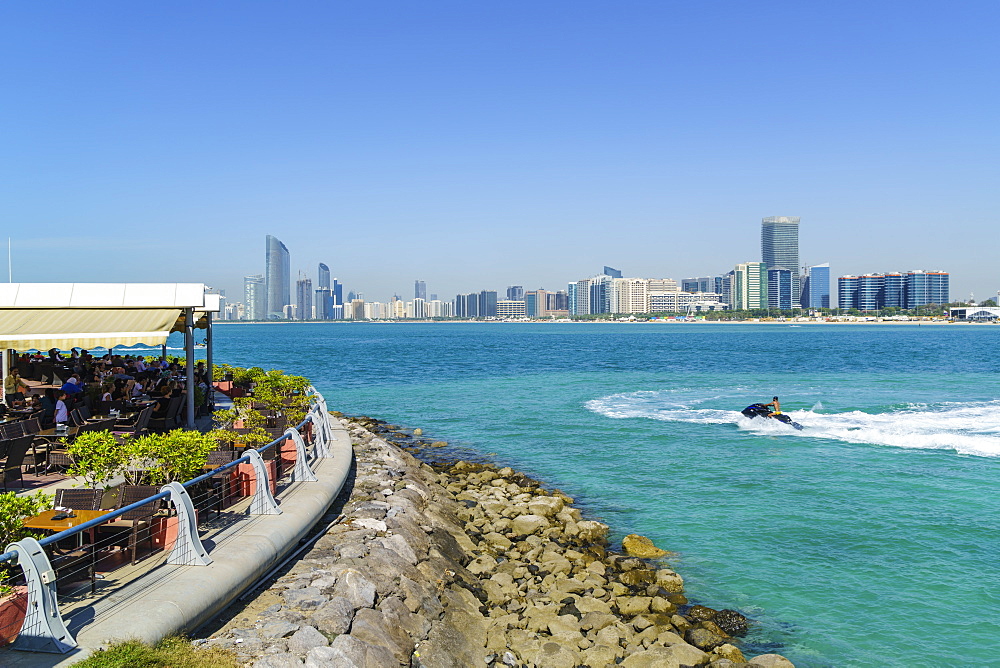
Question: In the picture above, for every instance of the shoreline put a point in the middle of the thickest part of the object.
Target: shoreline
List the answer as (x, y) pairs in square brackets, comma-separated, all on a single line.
[(786, 323), (455, 563)]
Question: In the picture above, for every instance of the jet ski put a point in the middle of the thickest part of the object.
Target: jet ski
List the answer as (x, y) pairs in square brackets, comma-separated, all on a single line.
[(762, 411)]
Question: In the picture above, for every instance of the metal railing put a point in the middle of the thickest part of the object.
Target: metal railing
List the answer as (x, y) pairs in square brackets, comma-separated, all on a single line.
[(43, 628)]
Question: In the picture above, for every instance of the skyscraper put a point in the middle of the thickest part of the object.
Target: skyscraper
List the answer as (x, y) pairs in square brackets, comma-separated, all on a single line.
[(419, 290), (304, 298), (779, 247), (612, 272), (515, 293), (323, 277), (255, 297), (277, 278)]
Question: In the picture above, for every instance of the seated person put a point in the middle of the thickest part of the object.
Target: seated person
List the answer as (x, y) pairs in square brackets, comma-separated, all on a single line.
[(72, 386), (13, 386)]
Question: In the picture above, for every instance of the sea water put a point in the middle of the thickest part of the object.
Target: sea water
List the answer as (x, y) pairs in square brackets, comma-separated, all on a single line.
[(871, 537)]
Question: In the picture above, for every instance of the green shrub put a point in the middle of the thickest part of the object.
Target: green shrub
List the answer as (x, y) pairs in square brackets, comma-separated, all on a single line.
[(13, 509), (98, 457)]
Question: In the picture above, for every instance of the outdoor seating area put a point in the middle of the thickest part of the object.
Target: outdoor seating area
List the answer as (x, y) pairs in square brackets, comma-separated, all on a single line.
[(119, 467)]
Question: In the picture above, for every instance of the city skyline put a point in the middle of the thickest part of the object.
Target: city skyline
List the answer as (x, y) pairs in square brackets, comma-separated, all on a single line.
[(605, 136)]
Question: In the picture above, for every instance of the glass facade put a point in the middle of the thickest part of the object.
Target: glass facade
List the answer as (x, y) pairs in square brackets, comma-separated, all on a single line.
[(816, 289), (871, 292), (779, 247), (323, 277), (847, 292), (779, 288), (277, 278)]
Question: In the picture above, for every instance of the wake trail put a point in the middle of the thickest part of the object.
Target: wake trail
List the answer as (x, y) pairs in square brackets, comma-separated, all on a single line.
[(967, 428)]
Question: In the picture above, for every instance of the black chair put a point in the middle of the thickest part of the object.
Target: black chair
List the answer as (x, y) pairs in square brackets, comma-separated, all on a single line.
[(218, 484), (137, 428), (17, 448), (169, 419)]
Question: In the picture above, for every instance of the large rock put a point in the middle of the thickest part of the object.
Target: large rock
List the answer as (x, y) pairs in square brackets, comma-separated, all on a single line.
[(771, 661), (356, 588), (306, 639), (642, 547), (348, 652), (458, 640), (590, 531), (374, 628), (704, 639), (281, 660), (730, 652), (731, 622), (669, 580), (525, 525), (334, 616), (546, 506), (308, 598)]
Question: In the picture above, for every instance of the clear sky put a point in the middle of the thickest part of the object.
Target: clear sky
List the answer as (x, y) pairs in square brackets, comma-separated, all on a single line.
[(476, 145)]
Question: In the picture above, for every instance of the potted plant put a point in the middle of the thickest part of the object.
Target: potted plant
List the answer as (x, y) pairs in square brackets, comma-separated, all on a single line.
[(98, 457), (14, 509)]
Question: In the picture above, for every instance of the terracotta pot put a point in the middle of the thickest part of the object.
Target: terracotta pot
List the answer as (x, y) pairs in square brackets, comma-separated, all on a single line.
[(289, 453), (13, 607), (164, 531), (245, 482)]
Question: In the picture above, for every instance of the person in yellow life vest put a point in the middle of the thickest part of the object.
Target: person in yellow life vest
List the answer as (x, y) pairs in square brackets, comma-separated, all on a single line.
[(777, 407)]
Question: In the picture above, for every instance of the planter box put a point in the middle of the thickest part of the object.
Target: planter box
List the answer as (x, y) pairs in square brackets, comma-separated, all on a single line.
[(13, 607), (245, 483), (164, 531), (289, 453)]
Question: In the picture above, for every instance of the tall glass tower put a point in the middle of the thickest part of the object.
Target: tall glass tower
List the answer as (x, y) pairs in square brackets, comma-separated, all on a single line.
[(277, 277), (323, 277), (779, 247)]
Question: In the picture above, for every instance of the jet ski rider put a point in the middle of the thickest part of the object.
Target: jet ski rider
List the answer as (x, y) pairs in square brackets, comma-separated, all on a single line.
[(777, 407)]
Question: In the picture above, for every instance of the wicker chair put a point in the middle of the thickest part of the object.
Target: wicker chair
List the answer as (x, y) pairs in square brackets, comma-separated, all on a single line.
[(136, 523), (79, 499)]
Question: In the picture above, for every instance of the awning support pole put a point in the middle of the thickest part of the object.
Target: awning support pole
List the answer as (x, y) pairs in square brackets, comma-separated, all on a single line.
[(6, 371), (209, 371), (189, 365)]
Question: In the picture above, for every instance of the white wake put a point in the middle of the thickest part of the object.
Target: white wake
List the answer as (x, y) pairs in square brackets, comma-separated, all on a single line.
[(968, 428)]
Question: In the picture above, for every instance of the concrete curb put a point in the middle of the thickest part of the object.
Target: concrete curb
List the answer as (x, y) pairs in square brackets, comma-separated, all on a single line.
[(185, 597)]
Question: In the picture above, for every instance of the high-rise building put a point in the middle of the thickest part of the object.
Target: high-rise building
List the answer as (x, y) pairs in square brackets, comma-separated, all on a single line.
[(304, 298), (557, 301), (871, 292), (277, 277), (511, 308), (323, 277), (419, 290), (488, 304), (816, 287), (612, 272), (895, 290), (630, 295), (779, 288), (324, 304), (749, 290), (847, 292), (535, 303), (779, 247), (255, 297), (515, 293)]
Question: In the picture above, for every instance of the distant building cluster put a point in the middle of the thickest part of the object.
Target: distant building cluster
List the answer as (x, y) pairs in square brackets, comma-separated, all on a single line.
[(905, 290), (776, 282)]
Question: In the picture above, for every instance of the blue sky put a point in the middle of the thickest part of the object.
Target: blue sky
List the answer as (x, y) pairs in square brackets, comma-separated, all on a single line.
[(476, 145)]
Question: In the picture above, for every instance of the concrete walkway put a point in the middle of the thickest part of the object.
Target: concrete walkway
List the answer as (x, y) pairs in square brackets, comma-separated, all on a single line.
[(176, 599)]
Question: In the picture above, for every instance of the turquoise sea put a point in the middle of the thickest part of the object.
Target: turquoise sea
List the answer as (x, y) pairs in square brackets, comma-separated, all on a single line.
[(870, 538)]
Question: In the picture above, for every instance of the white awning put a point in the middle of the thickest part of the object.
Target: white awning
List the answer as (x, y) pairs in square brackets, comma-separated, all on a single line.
[(91, 315)]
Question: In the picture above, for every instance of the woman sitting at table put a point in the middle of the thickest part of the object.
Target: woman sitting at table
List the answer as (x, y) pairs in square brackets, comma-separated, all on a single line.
[(162, 402), (106, 396)]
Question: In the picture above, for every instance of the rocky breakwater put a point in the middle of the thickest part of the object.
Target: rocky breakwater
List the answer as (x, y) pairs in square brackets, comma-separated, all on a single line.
[(465, 564)]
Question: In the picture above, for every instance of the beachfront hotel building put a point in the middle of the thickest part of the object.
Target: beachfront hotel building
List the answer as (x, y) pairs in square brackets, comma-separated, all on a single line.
[(511, 308), (277, 278), (779, 249), (909, 290)]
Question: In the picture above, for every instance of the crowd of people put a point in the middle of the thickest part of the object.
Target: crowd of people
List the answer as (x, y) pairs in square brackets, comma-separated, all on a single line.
[(101, 382)]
